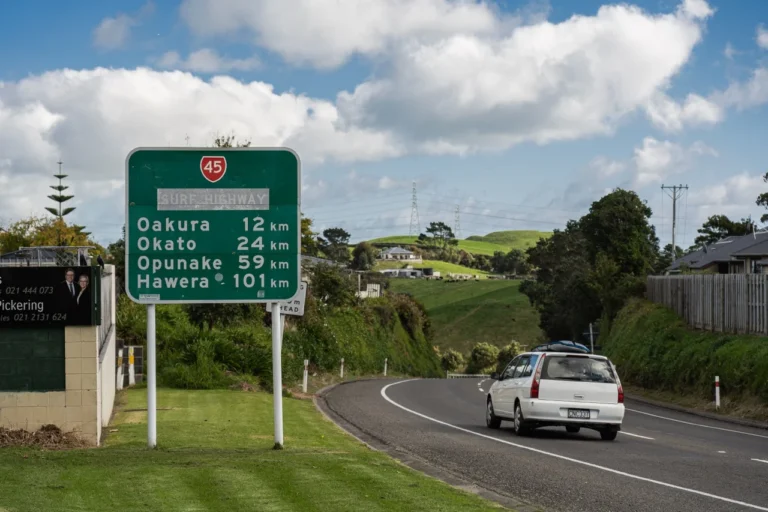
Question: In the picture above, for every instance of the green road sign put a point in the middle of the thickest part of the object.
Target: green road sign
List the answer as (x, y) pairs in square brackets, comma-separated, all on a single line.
[(207, 225)]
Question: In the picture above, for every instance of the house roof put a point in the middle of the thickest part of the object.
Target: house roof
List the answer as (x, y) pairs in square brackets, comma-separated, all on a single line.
[(725, 250), (397, 250)]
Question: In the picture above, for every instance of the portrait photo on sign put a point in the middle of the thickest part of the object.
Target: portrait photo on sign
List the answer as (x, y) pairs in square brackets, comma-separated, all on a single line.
[(48, 295)]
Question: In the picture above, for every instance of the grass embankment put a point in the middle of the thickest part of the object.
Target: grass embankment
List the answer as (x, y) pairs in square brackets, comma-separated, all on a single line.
[(439, 266), (216, 454), (657, 352), (503, 241), (465, 313)]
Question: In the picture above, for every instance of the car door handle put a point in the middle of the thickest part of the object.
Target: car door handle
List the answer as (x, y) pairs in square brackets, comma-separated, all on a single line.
[(578, 396)]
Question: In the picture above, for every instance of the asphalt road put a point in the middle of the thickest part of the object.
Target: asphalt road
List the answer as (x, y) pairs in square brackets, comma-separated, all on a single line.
[(662, 460)]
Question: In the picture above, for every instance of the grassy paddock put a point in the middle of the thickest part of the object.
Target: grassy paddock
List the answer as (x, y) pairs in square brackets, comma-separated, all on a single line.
[(465, 313), (215, 454)]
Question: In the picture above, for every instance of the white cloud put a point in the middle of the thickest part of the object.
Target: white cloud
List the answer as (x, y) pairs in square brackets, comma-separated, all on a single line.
[(729, 51), (670, 116), (114, 32), (206, 61), (742, 95), (762, 37), (656, 160), (91, 119), (540, 82), (606, 168), (327, 33), (734, 197)]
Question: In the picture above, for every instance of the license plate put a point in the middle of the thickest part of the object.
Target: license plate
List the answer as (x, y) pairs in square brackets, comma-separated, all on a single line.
[(580, 414)]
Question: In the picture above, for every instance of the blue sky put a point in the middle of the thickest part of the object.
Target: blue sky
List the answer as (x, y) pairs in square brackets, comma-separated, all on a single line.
[(518, 112)]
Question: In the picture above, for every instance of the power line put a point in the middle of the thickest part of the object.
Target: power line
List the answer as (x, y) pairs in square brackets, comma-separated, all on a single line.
[(457, 223)]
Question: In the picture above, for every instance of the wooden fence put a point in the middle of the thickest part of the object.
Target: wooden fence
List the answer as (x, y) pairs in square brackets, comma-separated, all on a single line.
[(732, 303)]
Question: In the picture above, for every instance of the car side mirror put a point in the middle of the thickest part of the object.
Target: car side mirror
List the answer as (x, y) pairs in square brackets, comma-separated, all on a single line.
[(495, 376)]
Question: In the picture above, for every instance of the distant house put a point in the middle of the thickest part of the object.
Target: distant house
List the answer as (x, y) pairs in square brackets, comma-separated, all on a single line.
[(399, 254), (746, 254), (409, 273)]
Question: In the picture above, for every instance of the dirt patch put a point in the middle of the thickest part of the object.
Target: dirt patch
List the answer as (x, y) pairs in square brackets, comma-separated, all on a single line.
[(244, 386), (49, 437)]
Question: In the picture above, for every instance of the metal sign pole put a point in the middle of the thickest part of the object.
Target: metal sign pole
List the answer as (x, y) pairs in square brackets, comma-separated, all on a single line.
[(151, 378), (277, 377)]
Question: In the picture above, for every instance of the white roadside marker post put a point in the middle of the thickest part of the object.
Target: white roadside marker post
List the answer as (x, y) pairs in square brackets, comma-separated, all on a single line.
[(277, 376), (131, 369), (306, 374), (342, 368), (385, 366), (717, 392), (119, 382)]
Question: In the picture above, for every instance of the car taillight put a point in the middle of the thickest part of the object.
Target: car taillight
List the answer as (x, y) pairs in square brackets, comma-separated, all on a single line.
[(621, 394), (536, 378)]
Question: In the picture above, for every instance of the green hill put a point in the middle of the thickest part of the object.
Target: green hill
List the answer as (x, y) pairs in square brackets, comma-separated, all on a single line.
[(466, 313), (503, 241)]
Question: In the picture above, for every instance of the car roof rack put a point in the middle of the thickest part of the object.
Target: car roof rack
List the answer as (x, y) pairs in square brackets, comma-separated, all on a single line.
[(562, 346)]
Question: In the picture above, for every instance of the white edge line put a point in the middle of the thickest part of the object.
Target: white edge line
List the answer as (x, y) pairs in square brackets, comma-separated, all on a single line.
[(760, 460), (698, 424), (481, 390), (635, 435), (563, 457)]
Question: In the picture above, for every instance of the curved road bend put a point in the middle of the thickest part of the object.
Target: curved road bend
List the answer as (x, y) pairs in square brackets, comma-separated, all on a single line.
[(662, 461)]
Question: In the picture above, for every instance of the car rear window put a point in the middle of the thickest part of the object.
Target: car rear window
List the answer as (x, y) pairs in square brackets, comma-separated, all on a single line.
[(575, 368)]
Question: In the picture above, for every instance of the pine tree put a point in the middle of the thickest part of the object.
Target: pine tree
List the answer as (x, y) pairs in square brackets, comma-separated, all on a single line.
[(60, 197)]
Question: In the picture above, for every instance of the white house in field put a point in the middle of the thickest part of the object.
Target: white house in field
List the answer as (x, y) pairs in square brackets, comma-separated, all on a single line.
[(399, 254)]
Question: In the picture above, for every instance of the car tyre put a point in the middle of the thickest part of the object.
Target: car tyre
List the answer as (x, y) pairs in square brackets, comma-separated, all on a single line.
[(608, 435), (572, 429), (521, 428), (491, 420)]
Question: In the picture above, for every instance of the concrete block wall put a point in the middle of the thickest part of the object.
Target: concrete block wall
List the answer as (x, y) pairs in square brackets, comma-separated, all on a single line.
[(76, 409)]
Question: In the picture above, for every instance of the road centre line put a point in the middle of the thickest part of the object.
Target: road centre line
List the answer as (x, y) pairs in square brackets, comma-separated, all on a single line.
[(698, 424), (562, 457), (760, 460)]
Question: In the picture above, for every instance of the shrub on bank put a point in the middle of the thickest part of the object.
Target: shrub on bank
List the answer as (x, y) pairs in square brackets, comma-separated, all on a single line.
[(654, 348)]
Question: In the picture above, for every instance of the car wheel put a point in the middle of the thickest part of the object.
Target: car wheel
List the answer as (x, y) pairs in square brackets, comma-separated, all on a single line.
[(572, 429), (521, 428), (491, 420), (608, 435)]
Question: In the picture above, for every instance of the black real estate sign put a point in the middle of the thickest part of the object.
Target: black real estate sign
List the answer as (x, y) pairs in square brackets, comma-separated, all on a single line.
[(50, 296)]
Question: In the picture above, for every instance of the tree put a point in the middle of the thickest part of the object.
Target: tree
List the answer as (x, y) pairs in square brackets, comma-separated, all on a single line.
[(666, 257), (762, 200), (618, 225), (483, 357), (331, 286), (562, 292), (506, 355), (717, 227), (20, 234), (60, 211), (210, 315), (363, 256), (116, 257), (439, 235), (451, 360), (230, 141), (309, 244), (334, 244)]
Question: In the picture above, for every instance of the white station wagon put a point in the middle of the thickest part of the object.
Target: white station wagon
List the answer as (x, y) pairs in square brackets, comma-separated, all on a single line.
[(557, 385)]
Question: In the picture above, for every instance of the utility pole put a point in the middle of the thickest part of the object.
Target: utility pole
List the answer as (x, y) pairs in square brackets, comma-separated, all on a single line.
[(415, 228), (675, 192)]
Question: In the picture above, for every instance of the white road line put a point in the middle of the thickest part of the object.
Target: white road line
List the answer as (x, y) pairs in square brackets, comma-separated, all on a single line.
[(721, 451), (698, 424), (563, 457), (481, 390), (760, 460), (635, 435)]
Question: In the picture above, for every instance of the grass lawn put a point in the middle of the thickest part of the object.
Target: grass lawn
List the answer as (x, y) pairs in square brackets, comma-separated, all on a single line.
[(503, 241), (215, 454), (440, 266), (465, 313)]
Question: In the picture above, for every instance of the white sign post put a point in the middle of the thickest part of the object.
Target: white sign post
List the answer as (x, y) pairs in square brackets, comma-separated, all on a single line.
[(306, 375)]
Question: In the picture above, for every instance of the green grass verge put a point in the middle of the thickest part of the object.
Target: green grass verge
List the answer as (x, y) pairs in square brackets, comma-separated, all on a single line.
[(503, 241), (439, 266), (216, 454), (465, 313), (656, 350)]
